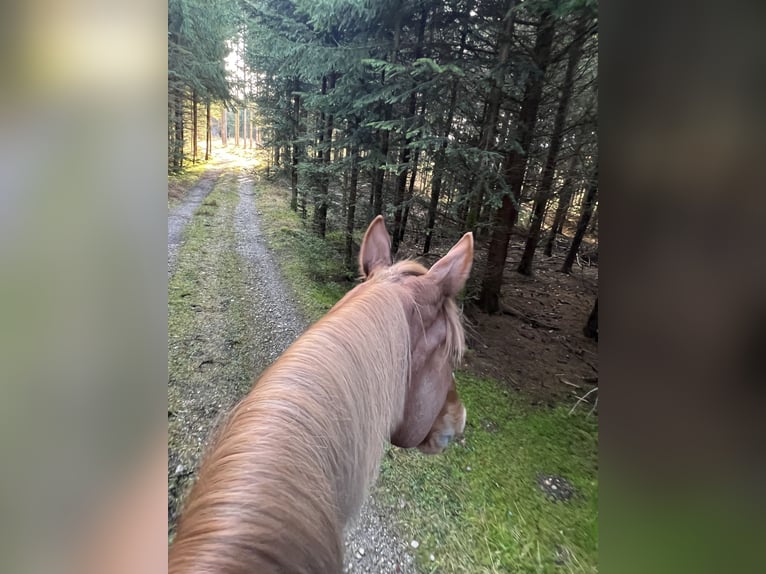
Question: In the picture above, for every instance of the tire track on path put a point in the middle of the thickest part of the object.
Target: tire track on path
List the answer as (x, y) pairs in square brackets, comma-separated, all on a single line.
[(180, 215)]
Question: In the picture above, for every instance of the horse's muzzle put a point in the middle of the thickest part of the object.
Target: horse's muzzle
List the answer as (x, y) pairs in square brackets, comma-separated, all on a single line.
[(448, 427)]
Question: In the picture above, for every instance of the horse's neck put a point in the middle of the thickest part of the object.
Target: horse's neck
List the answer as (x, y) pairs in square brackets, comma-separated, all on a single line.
[(293, 462), (349, 390)]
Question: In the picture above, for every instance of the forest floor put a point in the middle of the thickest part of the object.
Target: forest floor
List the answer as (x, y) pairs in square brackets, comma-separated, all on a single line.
[(536, 345), (518, 493)]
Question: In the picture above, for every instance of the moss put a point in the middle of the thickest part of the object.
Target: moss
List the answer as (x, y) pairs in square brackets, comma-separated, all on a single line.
[(494, 517)]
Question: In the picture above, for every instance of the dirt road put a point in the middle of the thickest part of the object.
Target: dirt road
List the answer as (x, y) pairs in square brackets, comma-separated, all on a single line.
[(230, 316)]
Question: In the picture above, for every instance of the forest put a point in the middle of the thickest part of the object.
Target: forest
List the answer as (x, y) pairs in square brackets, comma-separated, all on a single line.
[(444, 116), (295, 123)]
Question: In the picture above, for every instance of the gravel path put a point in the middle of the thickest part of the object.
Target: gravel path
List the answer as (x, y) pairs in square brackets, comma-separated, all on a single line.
[(371, 545), (180, 215)]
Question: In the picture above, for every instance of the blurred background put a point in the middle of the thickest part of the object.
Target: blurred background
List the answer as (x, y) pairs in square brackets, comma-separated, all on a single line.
[(82, 267)]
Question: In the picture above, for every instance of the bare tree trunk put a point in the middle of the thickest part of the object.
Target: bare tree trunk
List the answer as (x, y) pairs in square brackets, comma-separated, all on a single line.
[(565, 198), (178, 144), (320, 210), (245, 122), (591, 327), (294, 168), (439, 160), (514, 168), (582, 224), (250, 126), (224, 126), (351, 212), (236, 127), (208, 132), (194, 127), (401, 181), (543, 192), (594, 221), (492, 110), (379, 172), (408, 197)]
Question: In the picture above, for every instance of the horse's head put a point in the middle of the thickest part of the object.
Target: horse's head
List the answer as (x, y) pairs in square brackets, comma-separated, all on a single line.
[(433, 413)]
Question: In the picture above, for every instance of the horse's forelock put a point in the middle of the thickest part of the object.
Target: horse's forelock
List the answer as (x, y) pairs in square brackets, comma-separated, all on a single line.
[(424, 292)]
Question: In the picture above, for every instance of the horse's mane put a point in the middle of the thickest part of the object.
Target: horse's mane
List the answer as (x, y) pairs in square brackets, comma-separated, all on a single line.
[(294, 459)]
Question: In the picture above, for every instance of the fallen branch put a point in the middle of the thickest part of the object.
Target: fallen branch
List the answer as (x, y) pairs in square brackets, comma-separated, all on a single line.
[(563, 380), (582, 398)]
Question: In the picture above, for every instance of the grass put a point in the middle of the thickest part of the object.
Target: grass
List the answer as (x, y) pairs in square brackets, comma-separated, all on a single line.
[(210, 355), (493, 517), (313, 268), (180, 183)]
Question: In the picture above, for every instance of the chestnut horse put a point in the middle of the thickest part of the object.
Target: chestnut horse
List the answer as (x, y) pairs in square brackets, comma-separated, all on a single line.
[(291, 465)]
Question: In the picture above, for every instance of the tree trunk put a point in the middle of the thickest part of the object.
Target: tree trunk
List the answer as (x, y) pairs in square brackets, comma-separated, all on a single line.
[(436, 188), (178, 143), (401, 181), (351, 211), (565, 198), (515, 165), (236, 127), (224, 126), (379, 172), (436, 181), (208, 132), (344, 185), (320, 210), (492, 111), (408, 197), (246, 113), (294, 168), (194, 127), (582, 224), (594, 221), (591, 327), (401, 186), (546, 182)]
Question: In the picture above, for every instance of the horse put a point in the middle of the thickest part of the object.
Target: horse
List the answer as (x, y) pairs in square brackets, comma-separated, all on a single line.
[(291, 465)]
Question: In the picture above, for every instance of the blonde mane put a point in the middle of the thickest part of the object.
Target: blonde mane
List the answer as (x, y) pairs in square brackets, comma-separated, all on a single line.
[(302, 448)]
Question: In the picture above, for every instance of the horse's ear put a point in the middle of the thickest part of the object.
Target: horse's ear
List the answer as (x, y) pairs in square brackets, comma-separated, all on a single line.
[(452, 270), (376, 248)]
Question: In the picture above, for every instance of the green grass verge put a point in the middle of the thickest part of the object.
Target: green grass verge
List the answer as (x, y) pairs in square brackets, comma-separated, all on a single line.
[(478, 507), (493, 517), (313, 268)]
